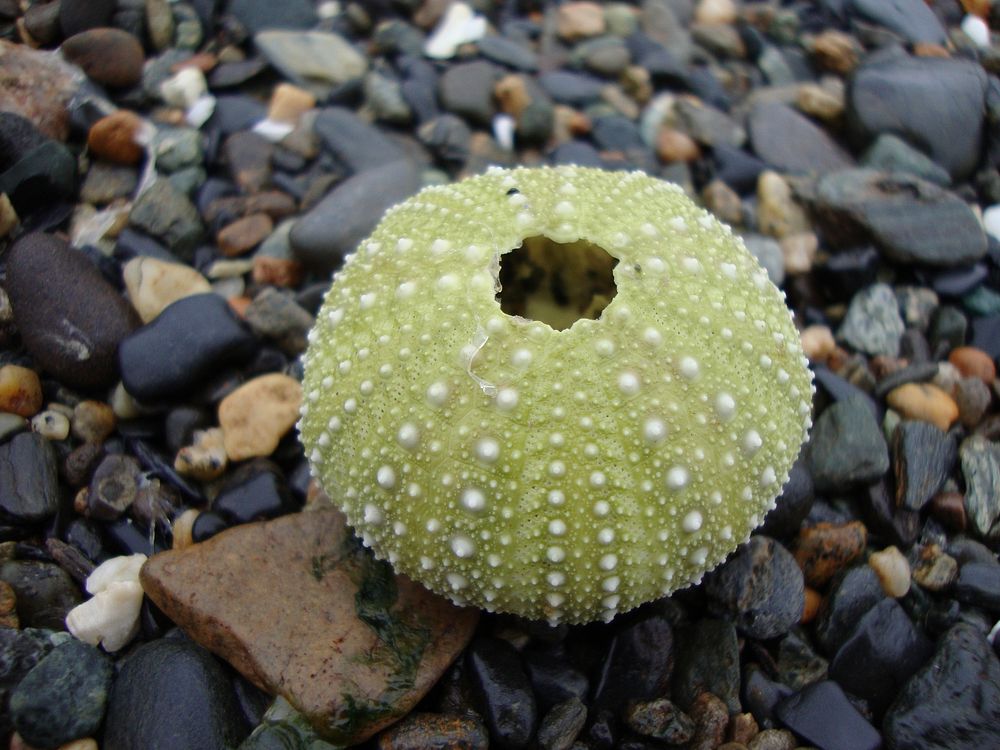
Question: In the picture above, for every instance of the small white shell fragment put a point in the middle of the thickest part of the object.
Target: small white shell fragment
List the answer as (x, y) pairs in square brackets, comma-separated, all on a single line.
[(111, 617)]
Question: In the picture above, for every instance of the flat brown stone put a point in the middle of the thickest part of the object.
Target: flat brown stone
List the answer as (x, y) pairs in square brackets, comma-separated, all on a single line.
[(301, 609)]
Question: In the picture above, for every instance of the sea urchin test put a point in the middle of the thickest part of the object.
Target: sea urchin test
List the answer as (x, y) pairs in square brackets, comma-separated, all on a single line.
[(556, 392)]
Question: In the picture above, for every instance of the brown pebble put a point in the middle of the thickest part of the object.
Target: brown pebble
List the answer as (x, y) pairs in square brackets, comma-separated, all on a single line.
[(576, 20), (109, 56), (929, 49), (81, 462), (811, 607), (893, 571), (512, 95), (837, 51), (205, 459), (256, 415), (798, 251), (774, 739), (93, 421), (288, 103), (935, 570), (826, 548), (20, 391), (243, 235), (8, 606), (284, 272), (723, 201), (948, 509), (673, 146), (710, 718), (925, 402), (81, 504), (974, 363), (742, 728), (817, 342), (114, 137), (421, 730)]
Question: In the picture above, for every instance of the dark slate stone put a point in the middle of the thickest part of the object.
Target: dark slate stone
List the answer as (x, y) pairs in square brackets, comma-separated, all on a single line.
[(466, 89), (953, 703), (503, 690), (190, 339), (791, 142), (978, 584), (33, 169), (554, 679), (45, 593), (840, 389), (852, 594), (561, 725), (579, 153), (235, 112), (334, 227), (260, 15), (132, 244), (737, 168), (889, 153), (29, 479), (20, 651), (125, 537), (798, 664), (166, 213), (207, 525), (958, 282), (419, 86), (923, 457), (760, 586), (935, 104), (822, 716), (63, 697), (616, 133), (447, 137), (255, 492), (760, 695), (794, 502), (574, 89), (913, 20), (636, 666), (947, 329), (919, 373), (847, 447), (71, 320), (908, 219), (79, 15), (172, 694), (884, 650), (161, 466), (708, 659), (893, 523), (847, 272), (356, 143), (985, 334), (507, 52)]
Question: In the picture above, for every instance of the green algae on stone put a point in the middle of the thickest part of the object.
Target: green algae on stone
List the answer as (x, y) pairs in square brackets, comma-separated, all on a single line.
[(563, 473)]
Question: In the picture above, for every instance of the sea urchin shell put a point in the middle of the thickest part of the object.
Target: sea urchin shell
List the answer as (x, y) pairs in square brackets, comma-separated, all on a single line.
[(566, 474)]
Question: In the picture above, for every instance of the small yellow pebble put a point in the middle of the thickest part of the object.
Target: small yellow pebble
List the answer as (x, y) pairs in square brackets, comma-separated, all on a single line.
[(20, 391), (925, 402), (817, 343), (257, 415), (206, 458), (182, 528), (893, 571), (51, 424), (153, 284)]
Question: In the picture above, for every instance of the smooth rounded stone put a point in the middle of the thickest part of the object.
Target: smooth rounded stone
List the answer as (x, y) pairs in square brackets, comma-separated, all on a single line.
[(973, 397), (847, 447), (63, 697), (243, 235), (256, 415), (275, 315), (708, 660), (823, 716), (71, 320), (615, 133), (954, 701), (793, 504), (115, 137), (760, 586), (636, 666), (778, 213), (759, 694), (358, 144), (423, 731), (166, 213), (890, 153), (923, 457), (248, 158), (80, 15), (20, 651), (206, 525), (154, 367), (790, 142), (560, 727), (466, 89), (925, 402), (33, 168), (50, 424), (45, 592), (573, 89), (177, 148), (108, 56), (737, 168), (20, 391), (661, 720), (153, 284), (961, 282), (553, 678), (979, 585), (938, 103), (172, 693), (981, 469), (355, 602), (913, 20), (334, 226), (507, 52), (447, 137), (910, 220), (503, 690), (384, 97), (605, 56), (258, 493), (852, 594), (106, 182), (883, 651), (260, 15), (826, 548), (235, 112), (318, 61)]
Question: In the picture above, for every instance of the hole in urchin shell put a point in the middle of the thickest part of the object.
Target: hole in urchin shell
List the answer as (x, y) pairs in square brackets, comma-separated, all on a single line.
[(556, 283)]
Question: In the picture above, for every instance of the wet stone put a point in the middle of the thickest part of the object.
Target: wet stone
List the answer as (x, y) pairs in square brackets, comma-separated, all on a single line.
[(172, 692), (824, 549), (708, 660), (154, 368), (259, 15), (978, 584), (981, 468), (507, 52), (253, 494), (973, 397), (956, 695), (710, 717), (177, 148), (925, 402), (873, 324), (109, 56), (317, 61), (394, 637), (847, 447), (637, 665), (661, 720), (797, 663), (791, 143), (20, 651), (560, 726), (760, 586), (113, 487), (29, 480), (63, 697), (883, 651), (165, 213), (935, 570), (910, 220), (923, 457), (274, 314), (852, 594), (503, 690), (45, 592), (423, 731), (553, 678), (822, 715), (889, 153)]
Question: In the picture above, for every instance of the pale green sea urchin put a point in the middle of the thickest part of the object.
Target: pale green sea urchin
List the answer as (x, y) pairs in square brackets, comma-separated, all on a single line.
[(567, 474)]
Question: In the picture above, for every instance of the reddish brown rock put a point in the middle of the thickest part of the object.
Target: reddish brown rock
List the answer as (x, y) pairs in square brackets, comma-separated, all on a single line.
[(111, 57), (37, 85), (284, 272), (420, 731), (243, 235), (826, 548), (974, 363), (115, 137), (302, 610), (20, 391)]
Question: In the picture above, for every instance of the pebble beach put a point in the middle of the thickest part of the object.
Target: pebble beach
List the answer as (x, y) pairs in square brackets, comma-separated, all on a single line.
[(179, 182)]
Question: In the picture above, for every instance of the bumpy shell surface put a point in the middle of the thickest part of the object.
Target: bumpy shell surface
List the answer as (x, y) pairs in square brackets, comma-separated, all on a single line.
[(563, 475)]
